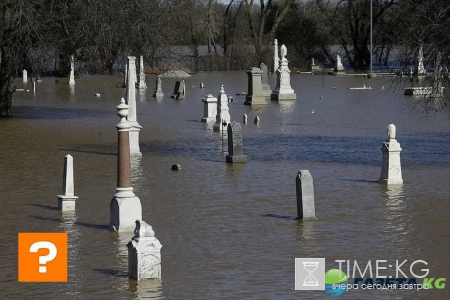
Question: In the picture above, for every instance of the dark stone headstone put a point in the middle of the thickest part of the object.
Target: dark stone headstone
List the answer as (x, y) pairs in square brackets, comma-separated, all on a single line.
[(176, 167), (235, 144)]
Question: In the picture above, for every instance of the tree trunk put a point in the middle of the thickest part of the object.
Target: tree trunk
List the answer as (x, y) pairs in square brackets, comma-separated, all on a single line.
[(6, 82)]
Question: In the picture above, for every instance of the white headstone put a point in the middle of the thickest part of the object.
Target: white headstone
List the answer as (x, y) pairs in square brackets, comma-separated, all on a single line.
[(283, 91), (339, 67), (391, 170), (142, 84), (131, 101), (209, 109), (72, 71), (66, 201), (24, 76), (305, 196), (158, 93), (144, 253), (223, 114)]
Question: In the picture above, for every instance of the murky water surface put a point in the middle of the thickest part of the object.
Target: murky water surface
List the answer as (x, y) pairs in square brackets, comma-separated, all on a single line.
[(228, 231)]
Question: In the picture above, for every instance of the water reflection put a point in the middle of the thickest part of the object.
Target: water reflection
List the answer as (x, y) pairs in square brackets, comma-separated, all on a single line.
[(141, 95), (137, 175), (146, 289), (305, 230), (72, 93)]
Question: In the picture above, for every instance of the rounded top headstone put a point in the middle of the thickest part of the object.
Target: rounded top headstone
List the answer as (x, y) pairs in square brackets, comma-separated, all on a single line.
[(391, 131)]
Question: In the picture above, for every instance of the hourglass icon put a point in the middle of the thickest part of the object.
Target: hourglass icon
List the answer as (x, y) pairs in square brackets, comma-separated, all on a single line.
[(310, 267)]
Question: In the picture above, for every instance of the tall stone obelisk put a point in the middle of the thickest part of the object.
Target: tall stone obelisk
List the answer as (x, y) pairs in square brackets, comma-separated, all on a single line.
[(131, 101), (275, 57)]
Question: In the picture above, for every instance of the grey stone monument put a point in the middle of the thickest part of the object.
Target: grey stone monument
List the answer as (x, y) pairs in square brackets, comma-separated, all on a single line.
[(125, 208), (339, 67), (265, 81), (209, 109), (283, 91), (420, 68), (305, 196), (256, 120), (142, 84), (275, 57), (131, 101), (24, 76), (72, 71), (179, 91), (235, 144), (244, 119), (158, 93), (391, 169), (255, 95), (66, 201), (223, 114), (144, 253)]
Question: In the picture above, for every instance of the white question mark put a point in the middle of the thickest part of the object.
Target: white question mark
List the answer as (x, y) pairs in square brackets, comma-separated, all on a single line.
[(43, 259)]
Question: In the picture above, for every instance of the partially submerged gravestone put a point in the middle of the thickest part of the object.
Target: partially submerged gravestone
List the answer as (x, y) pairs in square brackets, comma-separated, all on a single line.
[(283, 91), (305, 196), (158, 93), (24, 76), (255, 95), (339, 67), (125, 208), (66, 201), (142, 84), (179, 92), (235, 144), (223, 114), (72, 71), (267, 91), (256, 120), (244, 119), (391, 169), (131, 102), (209, 108), (144, 253)]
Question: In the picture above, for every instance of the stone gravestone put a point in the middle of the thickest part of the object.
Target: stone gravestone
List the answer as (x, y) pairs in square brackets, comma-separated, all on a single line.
[(245, 119), (255, 95), (158, 93), (235, 144), (305, 196), (391, 169), (275, 57), (283, 91), (135, 149), (420, 68), (179, 91), (265, 81), (209, 108), (142, 84), (72, 71), (339, 67), (223, 114), (66, 201), (144, 253), (24, 76)]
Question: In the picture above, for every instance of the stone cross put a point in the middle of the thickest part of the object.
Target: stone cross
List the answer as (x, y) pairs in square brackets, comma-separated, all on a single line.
[(142, 84), (158, 91), (223, 114), (131, 102), (305, 196), (66, 201), (255, 95), (275, 56), (209, 108), (125, 207), (144, 253), (235, 144), (24, 76), (391, 169), (72, 71)]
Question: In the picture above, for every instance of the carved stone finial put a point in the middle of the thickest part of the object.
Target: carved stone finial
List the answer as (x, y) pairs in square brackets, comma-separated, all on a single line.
[(123, 112), (222, 90), (143, 230), (391, 131), (283, 51)]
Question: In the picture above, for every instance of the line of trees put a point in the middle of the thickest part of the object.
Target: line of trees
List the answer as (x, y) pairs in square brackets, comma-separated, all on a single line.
[(40, 35)]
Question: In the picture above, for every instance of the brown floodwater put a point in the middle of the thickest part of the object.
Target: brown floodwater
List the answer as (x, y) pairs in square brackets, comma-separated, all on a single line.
[(228, 231)]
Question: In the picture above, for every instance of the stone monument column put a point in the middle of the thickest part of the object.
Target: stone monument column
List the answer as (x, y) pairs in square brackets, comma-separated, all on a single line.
[(209, 108), (142, 84), (420, 68), (275, 57), (72, 71), (131, 101), (223, 114), (391, 169), (283, 91), (255, 95), (125, 207), (24, 76)]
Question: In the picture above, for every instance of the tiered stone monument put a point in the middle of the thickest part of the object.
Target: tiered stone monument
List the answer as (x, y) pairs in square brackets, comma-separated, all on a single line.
[(275, 57), (391, 169), (66, 201), (283, 91), (125, 207), (305, 196), (420, 68), (131, 102), (144, 253), (255, 95), (339, 67), (209, 108), (223, 114), (24, 76), (235, 144), (158, 93), (72, 71), (179, 92), (265, 81), (142, 84)]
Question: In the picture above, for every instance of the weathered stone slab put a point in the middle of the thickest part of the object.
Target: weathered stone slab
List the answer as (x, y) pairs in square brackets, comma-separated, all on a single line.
[(391, 169), (235, 144)]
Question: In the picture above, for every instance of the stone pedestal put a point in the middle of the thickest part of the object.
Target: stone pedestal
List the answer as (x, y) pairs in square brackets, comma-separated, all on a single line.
[(142, 84), (255, 95), (158, 93), (209, 108), (144, 253), (245, 119), (305, 196), (223, 114), (235, 144), (24, 76), (391, 169), (131, 101), (72, 71), (66, 201), (283, 91)]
